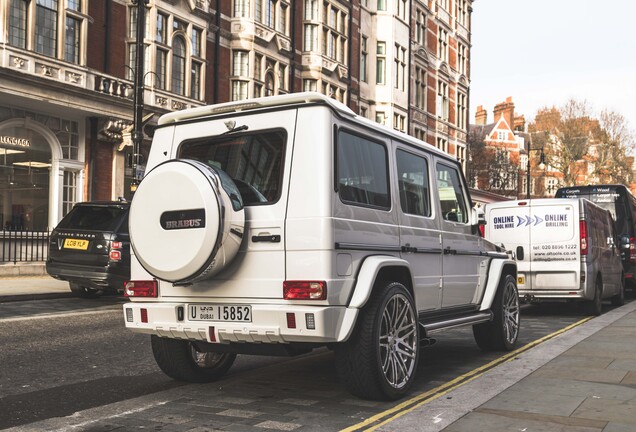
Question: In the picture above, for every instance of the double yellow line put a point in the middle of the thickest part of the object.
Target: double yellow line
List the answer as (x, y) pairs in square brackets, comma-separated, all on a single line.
[(380, 419)]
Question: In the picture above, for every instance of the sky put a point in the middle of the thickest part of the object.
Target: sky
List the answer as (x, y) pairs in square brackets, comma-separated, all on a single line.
[(545, 52)]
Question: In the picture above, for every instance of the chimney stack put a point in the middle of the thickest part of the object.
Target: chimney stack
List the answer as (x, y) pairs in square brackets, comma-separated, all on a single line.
[(481, 116), (507, 109)]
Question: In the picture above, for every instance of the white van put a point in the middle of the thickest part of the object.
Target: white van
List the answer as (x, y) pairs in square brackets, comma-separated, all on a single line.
[(279, 225), (566, 249)]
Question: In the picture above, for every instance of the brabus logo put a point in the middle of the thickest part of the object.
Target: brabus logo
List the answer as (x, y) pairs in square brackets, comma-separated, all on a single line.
[(183, 219)]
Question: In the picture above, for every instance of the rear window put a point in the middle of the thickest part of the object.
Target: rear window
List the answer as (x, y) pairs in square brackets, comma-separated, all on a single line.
[(97, 218), (253, 161)]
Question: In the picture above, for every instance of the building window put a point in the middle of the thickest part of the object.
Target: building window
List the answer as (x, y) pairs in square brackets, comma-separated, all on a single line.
[(69, 191), (442, 45), (72, 40), (363, 59), (420, 28), (462, 12), (161, 35), (334, 39), (311, 10), (241, 8), (442, 144), (46, 27), (381, 5), (282, 77), (380, 117), (195, 81), (310, 85), (311, 37), (178, 65), (160, 68), (462, 112), (270, 13), (241, 64), (239, 90), (462, 58), (380, 67), (442, 100), (178, 68), (400, 67), (461, 156), (420, 134), (420, 88), (269, 84), (195, 39), (18, 23), (502, 135), (443, 4), (401, 9), (399, 122)]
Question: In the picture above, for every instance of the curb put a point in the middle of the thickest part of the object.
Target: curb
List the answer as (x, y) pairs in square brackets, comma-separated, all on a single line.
[(40, 296)]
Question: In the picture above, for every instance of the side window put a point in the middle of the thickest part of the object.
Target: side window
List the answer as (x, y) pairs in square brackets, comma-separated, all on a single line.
[(451, 194), (413, 184), (363, 176)]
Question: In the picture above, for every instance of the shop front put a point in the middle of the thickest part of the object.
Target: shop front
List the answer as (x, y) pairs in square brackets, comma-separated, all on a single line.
[(41, 175)]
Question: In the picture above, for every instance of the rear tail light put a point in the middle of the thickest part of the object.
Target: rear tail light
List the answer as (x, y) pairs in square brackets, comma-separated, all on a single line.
[(632, 250), (482, 230), (304, 290), (146, 288), (114, 255), (116, 245), (583, 235)]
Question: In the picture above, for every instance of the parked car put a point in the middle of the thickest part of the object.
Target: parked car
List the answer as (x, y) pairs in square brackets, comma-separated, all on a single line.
[(90, 248), (566, 249), (288, 223)]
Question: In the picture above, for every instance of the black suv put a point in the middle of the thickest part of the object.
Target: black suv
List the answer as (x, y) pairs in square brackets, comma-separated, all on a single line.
[(90, 248)]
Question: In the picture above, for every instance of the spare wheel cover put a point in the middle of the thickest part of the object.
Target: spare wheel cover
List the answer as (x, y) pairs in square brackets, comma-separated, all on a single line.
[(176, 220)]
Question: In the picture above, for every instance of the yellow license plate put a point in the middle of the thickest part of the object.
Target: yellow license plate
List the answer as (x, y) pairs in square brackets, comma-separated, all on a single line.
[(75, 244), (521, 280)]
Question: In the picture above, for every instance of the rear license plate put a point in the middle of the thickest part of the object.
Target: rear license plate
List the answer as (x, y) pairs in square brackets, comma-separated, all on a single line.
[(75, 244), (226, 313)]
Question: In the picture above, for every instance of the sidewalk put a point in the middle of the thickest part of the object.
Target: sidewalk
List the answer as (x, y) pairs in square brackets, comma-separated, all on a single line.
[(31, 288), (583, 380)]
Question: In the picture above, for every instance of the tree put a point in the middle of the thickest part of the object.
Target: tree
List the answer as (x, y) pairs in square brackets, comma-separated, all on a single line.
[(611, 155), (578, 145), (490, 168)]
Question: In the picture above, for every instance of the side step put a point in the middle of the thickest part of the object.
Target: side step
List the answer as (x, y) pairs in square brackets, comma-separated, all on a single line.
[(472, 319)]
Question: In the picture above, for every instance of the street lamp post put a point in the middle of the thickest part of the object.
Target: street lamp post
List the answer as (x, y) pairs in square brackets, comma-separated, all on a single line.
[(541, 166), (137, 134)]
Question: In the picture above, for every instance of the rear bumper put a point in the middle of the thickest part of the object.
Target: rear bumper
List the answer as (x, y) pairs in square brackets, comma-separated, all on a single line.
[(269, 324), (89, 276), (531, 295)]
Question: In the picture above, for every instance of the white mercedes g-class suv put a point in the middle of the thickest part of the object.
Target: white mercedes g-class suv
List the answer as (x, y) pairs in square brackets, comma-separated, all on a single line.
[(282, 224)]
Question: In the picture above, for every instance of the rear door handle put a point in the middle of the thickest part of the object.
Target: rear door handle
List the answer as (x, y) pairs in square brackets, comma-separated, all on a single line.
[(274, 238)]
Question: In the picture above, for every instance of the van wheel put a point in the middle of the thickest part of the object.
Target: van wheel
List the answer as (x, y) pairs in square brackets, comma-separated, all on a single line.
[(83, 291), (619, 298), (595, 306), (181, 360), (380, 358), (502, 332)]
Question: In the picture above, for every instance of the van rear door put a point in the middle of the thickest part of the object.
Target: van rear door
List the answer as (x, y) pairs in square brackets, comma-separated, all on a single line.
[(509, 223), (555, 255)]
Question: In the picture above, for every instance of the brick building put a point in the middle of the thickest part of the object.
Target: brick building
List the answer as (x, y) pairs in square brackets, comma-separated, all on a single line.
[(67, 69)]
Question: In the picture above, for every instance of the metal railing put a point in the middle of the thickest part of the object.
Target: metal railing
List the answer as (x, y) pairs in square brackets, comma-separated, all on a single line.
[(23, 246)]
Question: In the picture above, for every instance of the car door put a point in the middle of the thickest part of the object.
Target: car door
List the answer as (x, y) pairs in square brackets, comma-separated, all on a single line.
[(461, 258), (419, 226)]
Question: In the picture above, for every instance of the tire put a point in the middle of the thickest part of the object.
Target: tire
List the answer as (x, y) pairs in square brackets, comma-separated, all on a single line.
[(595, 306), (502, 332), (180, 360), (619, 299), (379, 360), (83, 291)]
